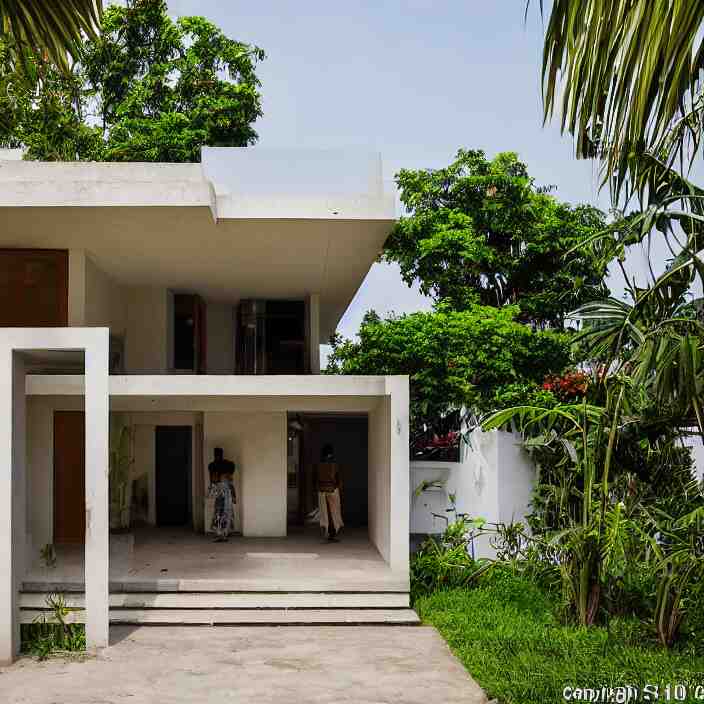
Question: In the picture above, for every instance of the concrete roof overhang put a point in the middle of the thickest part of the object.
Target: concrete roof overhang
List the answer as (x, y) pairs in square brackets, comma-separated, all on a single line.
[(164, 225)]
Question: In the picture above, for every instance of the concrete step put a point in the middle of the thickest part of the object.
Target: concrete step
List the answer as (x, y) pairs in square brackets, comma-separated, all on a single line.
[(234, 600), (245, 617)]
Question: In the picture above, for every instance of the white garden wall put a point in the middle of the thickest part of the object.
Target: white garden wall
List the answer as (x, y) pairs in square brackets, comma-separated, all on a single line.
[(493, 481)]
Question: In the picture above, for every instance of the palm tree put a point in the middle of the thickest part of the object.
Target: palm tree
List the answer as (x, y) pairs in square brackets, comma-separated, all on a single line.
[(629, 71), (55, 27)]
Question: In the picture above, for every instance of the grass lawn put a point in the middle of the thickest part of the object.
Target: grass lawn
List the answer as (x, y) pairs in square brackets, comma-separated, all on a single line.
[(506, 634)]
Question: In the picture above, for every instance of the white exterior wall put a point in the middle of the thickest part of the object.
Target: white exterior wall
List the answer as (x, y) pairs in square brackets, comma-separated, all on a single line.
[(146, 343), (76, 287), (143, 427), (105, 304), (379, 468), (493, 481), (256, 442)]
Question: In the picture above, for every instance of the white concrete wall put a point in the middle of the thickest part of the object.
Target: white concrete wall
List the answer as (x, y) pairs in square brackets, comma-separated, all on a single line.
[(379, 486), (76, 287), (516, 479), (494, 481), (105, 304), (143, 427), (146, 343), (256, 442), (220, 328)]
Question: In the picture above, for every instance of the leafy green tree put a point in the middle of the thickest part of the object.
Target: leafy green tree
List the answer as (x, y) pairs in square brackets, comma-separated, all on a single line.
[(146, 89), (471, 358), (479, 231)]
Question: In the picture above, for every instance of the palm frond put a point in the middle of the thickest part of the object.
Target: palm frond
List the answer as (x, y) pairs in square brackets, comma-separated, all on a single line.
[(629, 71), (55, 27)]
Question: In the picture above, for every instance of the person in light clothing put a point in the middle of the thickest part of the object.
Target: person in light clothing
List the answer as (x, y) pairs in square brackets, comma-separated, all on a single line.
[(222, 490), (329, 484)]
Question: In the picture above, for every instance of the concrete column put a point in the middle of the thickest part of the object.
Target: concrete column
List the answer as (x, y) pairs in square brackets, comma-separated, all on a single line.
[(76, 287), (399, 517), (12, 497), (314, 332), (97, 497)]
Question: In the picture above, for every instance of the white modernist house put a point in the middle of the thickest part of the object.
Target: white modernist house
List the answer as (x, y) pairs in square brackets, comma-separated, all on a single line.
[(150, 313)]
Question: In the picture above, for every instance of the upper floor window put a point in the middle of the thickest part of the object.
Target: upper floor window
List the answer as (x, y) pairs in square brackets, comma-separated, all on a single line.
[(271, 337)]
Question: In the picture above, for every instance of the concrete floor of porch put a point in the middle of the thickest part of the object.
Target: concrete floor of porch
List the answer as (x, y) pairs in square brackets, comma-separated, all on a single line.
[(178, 559)]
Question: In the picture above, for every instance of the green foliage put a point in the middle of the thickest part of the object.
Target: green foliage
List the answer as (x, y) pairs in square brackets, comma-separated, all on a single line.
[(480, 232), (621, 541), (506, 634), (445, 562), (455, 358), (626, 76), (121, 461), (48, 555), (146, 89), (53, 634), (56, 27)]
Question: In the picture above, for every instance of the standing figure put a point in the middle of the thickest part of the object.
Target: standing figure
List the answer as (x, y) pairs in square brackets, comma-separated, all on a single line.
[(222, 490), (329, 484)]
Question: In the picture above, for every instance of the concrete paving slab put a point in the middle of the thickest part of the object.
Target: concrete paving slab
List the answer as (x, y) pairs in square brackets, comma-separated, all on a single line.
[(267, 665)]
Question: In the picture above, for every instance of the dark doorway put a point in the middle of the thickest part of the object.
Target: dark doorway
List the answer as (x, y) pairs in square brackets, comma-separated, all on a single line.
[(348, 436), (69, 477), (173, 475)]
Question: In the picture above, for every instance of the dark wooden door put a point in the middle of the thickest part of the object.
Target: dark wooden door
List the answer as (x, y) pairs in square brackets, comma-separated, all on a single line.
[(173, 475), (69, 477), (33, 288)]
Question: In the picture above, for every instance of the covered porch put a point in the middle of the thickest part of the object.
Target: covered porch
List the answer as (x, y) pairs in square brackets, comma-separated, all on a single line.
[(249, 417)]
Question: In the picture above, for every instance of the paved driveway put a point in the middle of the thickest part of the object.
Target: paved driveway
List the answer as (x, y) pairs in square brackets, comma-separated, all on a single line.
[(286, 665)]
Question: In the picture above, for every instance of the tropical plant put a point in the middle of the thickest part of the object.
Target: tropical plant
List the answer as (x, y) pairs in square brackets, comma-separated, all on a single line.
[(446, 561), (630, 78), (677, 545), (658, 339), (590, 531), (54, 27), (479, 231), (120, 464), (148, 88), (52, 632)]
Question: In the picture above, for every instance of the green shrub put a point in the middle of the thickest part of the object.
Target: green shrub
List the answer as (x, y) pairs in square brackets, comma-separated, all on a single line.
[(51, 632), (505, 632), (43, 639)]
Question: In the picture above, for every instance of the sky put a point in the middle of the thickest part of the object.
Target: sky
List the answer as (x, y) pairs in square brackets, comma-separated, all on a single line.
[(415, 80)]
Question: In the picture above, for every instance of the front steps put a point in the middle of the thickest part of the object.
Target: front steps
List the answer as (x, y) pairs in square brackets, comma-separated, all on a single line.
[(237, 608)]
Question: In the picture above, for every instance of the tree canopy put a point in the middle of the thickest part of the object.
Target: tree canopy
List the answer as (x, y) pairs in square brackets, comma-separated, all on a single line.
[(478, 358), (480, 231), (148, 88)]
